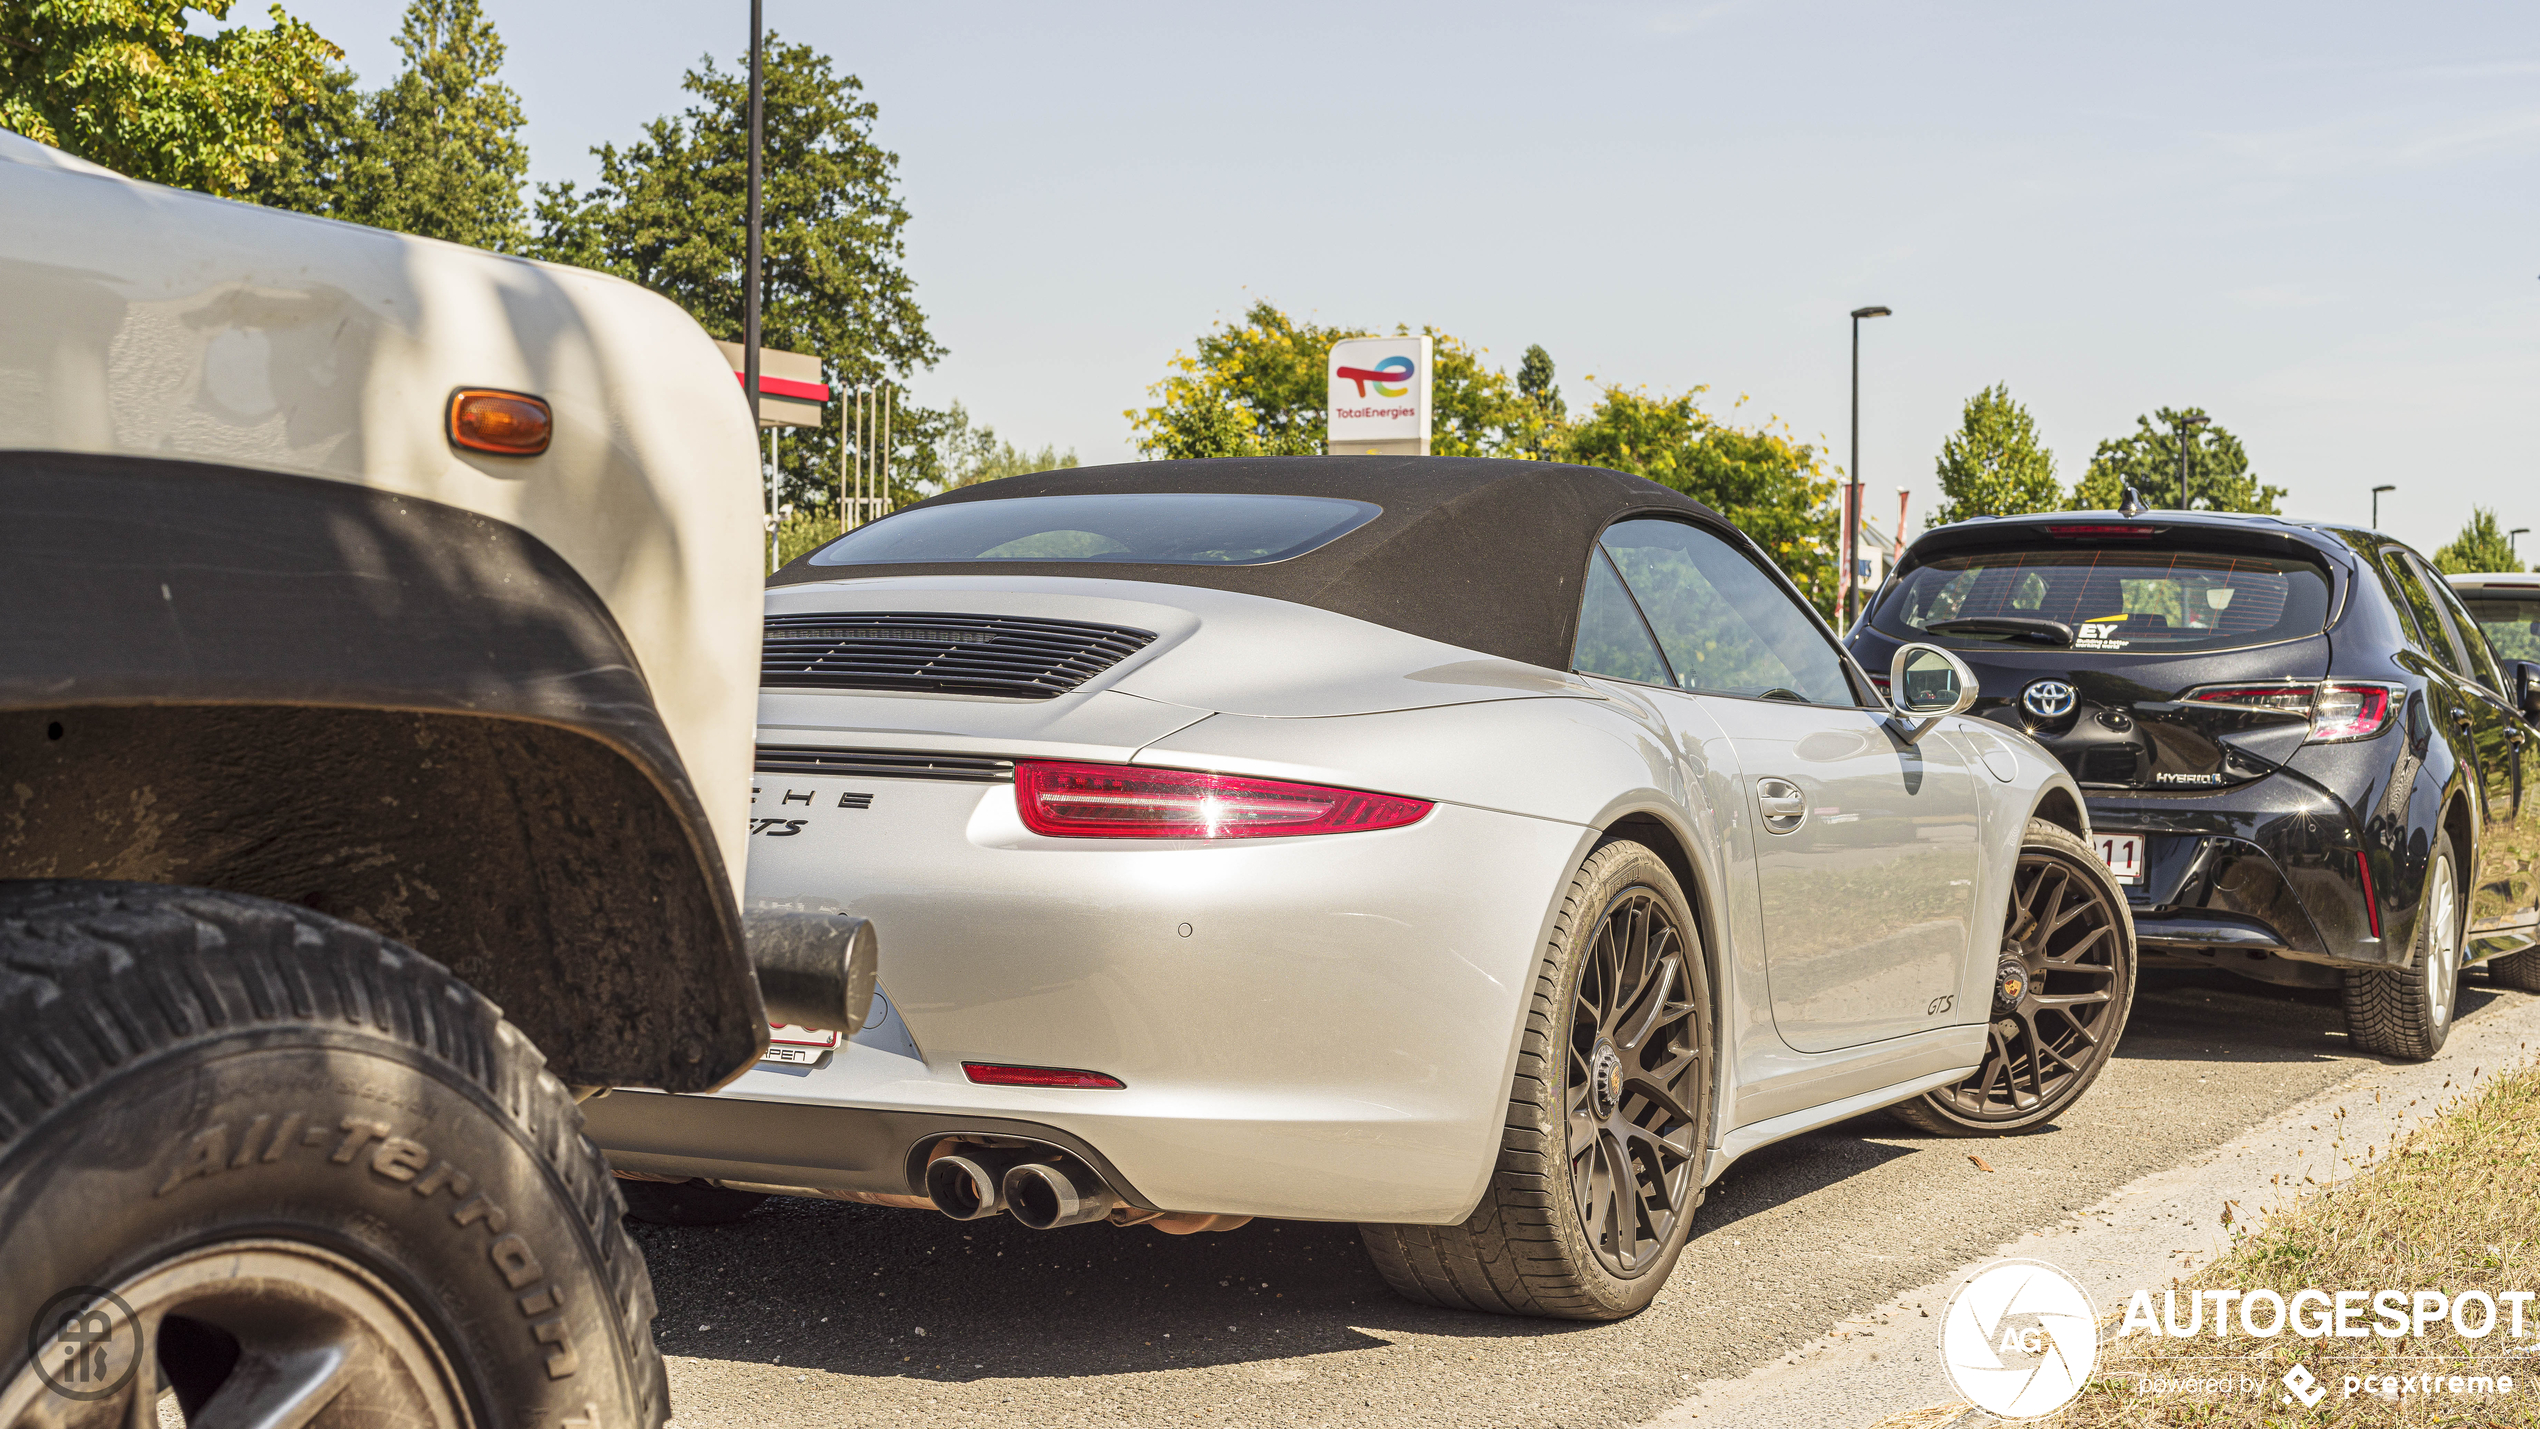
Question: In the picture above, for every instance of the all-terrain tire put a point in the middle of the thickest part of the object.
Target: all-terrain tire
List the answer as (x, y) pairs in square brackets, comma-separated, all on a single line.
[(1524, 1250), (2112, 969), (199, 1090), (2407, 1012), (685, 1203)]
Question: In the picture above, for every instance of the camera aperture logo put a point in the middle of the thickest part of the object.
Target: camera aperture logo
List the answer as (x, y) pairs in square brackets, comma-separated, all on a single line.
[(84, 1343), (2019, 1339)]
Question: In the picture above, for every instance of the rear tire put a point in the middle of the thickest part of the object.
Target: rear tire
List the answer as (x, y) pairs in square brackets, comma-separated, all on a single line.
[(2407, 1012), (1601, 1160), (686, 1203), (2520, 971), (2068, 939), (309, 1161)]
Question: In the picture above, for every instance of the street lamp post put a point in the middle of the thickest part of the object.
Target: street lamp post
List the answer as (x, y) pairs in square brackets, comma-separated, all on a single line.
[(1847, 577), (2376, 504), (2187, 424), (2512, 546)]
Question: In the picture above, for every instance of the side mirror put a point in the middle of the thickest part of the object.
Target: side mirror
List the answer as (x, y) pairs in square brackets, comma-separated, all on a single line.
[(1928, 684)]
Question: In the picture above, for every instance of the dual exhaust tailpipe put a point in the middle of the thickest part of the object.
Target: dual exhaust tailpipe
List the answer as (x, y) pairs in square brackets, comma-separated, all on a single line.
[(1038, 1188)]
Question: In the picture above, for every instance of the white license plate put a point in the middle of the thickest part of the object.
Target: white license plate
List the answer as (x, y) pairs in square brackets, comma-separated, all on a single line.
[(2123, 853)]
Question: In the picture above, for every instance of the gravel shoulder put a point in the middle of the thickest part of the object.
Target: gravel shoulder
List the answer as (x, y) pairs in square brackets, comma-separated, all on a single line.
[(835, 1314)]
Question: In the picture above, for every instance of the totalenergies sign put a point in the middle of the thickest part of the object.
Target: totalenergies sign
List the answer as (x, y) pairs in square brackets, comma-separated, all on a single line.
[(1378, 397)]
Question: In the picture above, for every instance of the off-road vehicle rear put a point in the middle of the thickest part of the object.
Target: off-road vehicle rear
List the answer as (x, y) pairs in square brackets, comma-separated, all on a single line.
[(377, 650)]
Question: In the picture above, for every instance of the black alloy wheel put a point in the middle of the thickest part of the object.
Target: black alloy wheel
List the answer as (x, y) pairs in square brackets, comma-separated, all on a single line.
[(2062, 988), (1628, 1098), (1600, 1160)]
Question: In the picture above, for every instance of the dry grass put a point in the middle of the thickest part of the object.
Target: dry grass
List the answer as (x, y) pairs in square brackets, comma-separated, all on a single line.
[(2455, 1208)]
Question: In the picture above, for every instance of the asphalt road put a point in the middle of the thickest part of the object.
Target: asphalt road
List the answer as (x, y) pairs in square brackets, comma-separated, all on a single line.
[(821, 1313)]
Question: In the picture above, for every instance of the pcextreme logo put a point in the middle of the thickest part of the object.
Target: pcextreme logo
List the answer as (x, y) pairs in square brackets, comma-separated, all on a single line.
[(1391, 377)]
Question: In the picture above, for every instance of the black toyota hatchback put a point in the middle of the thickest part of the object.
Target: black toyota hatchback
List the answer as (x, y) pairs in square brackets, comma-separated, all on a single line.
[(2301, 755)]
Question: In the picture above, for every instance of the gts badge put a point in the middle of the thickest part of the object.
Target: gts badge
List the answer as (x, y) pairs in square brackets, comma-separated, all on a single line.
[(1940, 1005), (2197, 780), (778, 828)]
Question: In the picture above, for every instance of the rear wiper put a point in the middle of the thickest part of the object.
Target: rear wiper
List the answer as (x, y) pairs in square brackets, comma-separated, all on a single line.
[(2017, 627)]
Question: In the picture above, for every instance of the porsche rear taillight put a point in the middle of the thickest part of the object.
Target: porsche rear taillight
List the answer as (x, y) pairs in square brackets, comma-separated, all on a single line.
[(1119, 801), (2339, 710)]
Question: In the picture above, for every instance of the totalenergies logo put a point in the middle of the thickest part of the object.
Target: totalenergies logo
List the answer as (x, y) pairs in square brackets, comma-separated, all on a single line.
[(1391, 377)]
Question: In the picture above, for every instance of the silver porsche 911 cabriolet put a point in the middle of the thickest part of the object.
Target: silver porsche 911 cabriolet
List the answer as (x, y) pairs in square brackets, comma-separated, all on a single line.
[(1484, 852)]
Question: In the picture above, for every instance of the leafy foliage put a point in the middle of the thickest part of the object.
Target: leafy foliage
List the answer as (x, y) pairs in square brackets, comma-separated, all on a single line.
[(670, 212), (1777, 490), (2480, 548), (445, 137), (967, 454), (2218, 475), (1257, 387), (1992, 465), (437, 153), (128, 84)]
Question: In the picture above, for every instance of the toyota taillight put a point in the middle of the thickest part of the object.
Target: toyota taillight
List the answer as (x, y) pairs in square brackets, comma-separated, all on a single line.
[(2347, 711), (1119, 801), (2339, 710)]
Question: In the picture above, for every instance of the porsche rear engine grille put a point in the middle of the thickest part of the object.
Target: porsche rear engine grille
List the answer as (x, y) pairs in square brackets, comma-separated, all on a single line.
[(883, 764), (1014, 656)]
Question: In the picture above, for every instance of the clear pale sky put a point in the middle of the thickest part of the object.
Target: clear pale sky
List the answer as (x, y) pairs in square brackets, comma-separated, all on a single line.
[(2315, 220)]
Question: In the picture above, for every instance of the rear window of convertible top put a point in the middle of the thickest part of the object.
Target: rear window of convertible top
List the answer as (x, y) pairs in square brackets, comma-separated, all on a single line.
[(1154, 528), (2144, 601)]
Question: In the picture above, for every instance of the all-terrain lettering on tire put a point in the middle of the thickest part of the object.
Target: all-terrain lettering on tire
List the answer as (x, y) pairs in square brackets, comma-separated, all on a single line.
[(200, 1080)]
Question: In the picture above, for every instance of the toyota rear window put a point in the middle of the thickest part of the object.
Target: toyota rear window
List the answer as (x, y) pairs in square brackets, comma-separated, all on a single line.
[(1152, 528), (2145, 601)]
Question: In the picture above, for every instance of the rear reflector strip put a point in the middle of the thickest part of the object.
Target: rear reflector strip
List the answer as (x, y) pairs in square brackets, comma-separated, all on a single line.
[(991, 1074), (2372, 905)]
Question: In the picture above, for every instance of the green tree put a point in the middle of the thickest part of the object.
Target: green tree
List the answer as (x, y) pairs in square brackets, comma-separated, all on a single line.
[(130, 85), (1778, 491), (969, 453), (1544, 422), (1257, 387), (2218, 475), (436, 153), (444, 138), (1992, 465), (2481, 548), (669, 212)]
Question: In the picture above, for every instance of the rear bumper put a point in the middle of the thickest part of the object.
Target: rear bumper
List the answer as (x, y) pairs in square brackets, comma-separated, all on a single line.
[(2269, 869), (1312, 1028)]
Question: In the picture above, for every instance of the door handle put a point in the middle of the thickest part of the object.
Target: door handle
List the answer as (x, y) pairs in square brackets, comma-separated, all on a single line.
[(1785, 804), (2460, 719)]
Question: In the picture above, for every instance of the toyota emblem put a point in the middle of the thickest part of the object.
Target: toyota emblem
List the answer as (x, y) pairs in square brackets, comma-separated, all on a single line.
[(2049, 699)]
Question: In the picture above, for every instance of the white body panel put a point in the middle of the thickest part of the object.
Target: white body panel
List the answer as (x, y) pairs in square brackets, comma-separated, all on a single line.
[(304, 346), (1334, 1035)]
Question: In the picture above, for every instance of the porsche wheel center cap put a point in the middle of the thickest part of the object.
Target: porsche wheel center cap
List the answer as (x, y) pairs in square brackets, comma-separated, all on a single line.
[(2010, 984), (1605, 1078)]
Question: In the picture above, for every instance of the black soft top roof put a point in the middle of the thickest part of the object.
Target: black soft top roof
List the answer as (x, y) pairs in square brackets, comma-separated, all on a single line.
[(1482, 553)]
